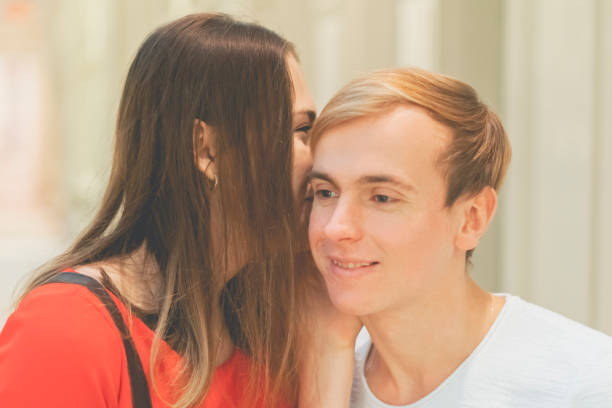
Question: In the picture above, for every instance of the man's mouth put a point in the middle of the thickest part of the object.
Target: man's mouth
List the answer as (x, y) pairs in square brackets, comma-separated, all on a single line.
[(351, 264)]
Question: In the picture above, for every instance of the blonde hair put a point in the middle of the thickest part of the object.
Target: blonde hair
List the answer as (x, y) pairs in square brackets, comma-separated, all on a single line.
[(479, 152)]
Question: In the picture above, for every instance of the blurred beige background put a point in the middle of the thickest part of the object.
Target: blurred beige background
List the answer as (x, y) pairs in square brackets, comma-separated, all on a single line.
[(544, 65)]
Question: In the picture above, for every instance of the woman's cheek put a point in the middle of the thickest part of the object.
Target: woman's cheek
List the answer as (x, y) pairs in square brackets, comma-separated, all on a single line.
[(302, 162)]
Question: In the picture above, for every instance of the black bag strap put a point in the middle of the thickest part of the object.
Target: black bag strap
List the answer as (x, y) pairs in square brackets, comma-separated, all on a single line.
[(141, 397)]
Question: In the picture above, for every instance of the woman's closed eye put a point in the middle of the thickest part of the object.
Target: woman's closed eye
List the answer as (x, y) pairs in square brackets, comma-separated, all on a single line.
[(303, 132)]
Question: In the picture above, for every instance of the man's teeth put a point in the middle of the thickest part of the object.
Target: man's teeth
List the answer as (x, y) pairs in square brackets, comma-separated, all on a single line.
[(351, 265)]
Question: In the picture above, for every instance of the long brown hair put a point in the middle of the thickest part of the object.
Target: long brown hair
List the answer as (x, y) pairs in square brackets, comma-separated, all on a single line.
[(234, 77)]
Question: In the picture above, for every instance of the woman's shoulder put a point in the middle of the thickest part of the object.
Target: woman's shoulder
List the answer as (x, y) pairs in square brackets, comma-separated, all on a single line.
[(60, 339), (62, 311)]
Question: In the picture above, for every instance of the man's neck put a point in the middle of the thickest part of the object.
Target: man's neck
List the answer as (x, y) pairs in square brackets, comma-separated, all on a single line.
[(419, 344)]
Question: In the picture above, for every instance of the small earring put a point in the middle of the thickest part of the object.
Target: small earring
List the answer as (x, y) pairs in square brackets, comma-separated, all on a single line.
[(216, 180)]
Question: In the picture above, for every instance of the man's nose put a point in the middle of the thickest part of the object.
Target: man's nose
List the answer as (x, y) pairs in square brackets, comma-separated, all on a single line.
[(345, 221)]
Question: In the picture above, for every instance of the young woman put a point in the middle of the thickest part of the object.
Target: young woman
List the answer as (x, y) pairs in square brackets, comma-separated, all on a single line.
[(193, 242)]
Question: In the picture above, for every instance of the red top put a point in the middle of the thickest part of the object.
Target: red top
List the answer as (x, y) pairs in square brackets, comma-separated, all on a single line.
[(61, 348)]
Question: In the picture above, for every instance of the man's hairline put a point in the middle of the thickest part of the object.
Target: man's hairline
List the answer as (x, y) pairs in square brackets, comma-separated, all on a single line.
[(439, 161)]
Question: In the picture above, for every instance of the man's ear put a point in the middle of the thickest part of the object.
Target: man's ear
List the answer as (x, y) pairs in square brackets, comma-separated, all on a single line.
[(477, 212), (204, 148)]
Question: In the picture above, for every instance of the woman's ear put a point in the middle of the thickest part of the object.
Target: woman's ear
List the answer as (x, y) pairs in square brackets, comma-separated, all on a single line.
[(204, 148), (477, 214)]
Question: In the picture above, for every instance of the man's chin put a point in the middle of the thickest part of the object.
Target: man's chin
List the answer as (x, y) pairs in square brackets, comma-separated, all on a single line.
[(350, 303)]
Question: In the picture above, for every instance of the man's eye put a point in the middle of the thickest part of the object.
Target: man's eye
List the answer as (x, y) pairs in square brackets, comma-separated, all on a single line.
[(325, 194), (381, 198)]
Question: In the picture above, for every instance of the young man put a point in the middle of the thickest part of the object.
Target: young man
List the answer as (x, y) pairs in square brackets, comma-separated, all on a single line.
[(407, 165)]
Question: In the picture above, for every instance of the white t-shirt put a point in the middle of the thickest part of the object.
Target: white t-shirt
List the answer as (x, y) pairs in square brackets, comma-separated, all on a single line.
[(531, 357)]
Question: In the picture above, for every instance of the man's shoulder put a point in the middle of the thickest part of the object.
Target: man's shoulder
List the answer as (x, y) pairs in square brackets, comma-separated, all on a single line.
[(535, 325), (531, 354), (523, 322), (562, 356)]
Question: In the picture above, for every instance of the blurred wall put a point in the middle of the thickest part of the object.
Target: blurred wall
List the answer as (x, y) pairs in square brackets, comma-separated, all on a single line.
[(544, 65)]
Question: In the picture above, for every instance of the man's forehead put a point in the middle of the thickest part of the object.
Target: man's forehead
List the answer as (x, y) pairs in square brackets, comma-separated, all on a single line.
[(404, 129), (401, 144), (400, 123)]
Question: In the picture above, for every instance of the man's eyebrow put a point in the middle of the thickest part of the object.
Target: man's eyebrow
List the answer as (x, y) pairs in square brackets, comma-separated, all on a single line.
[(385, 178), (313, 174), (367, 179)]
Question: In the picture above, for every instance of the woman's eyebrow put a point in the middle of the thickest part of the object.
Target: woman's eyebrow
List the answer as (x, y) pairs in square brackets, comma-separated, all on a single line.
[(309, 113)]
